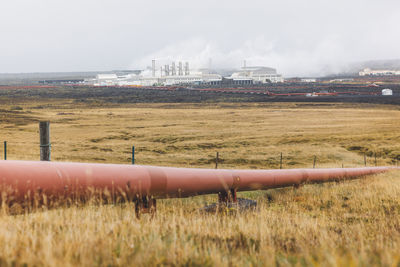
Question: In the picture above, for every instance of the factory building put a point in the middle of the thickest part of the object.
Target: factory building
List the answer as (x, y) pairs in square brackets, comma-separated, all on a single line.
[(369, 72), (105, 79), (180, 74), (237, 80), (256, 75), (211, 79), (308, 80), (177, 80)]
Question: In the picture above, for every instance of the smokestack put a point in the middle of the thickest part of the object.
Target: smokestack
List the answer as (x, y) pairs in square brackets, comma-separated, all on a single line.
[(166, 70), (180, 69), (153, 68), (173, 69), (187, 69), (161, 71)]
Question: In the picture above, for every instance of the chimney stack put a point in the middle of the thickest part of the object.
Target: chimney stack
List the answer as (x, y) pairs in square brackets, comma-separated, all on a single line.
[(166, 70), (173, 69), (180, 69), (187, 69), (153, 68)]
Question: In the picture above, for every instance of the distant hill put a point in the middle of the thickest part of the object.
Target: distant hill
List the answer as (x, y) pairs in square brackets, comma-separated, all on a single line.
[(378, 64), (352, 69), (29, 78)]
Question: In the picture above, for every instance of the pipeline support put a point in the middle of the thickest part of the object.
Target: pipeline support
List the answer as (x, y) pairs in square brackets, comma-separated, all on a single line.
[(228, 196), (145, 204)]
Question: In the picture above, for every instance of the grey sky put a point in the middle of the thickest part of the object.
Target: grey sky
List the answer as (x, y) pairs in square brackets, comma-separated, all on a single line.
[(297, 37)]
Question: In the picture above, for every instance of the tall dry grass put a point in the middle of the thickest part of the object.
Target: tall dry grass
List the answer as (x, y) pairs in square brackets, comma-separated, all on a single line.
[(347, 223)]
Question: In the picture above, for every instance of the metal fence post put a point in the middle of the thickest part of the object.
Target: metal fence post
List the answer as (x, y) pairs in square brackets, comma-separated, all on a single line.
[(5, 150), (133, 155)]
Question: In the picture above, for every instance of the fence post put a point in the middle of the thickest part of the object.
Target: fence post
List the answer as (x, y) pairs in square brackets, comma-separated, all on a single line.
[(280, 166), (315, 160), (5, 150), (45, 146), (216, 160), (375, 160), (133, 155), (365, 160)]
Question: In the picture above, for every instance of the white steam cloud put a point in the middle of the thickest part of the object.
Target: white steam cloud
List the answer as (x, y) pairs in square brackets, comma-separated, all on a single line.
[(320, 59), (329, 55)]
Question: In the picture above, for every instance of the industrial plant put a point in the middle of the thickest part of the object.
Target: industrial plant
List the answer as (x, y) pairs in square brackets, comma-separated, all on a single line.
[(384, 72), (180, 74)]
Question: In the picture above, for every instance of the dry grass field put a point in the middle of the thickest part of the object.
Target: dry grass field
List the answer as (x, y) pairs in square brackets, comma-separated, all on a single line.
[(353, 223)]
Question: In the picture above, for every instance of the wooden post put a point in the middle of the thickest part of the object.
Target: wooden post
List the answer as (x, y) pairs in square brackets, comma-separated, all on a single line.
[(375, 160), (315, 160), (365, 160), (45, 146), (133, 155), (5, 150), (216, 160), (280, 166)]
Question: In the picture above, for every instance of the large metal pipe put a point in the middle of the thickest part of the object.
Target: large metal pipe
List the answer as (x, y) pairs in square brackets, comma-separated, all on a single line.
[(22, 178)]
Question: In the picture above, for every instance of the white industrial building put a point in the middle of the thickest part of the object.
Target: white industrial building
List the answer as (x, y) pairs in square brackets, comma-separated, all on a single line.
[(387, 91), (369, 72), (105, 79), (256, 75), (177, 80), (179, 74), (308, 80)]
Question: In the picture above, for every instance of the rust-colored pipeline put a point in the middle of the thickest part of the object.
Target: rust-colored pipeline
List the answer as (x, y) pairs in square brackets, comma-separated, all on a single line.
[(26, 178)]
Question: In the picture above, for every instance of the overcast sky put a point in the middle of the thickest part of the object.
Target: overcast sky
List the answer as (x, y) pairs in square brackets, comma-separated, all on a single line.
[(298, 37)]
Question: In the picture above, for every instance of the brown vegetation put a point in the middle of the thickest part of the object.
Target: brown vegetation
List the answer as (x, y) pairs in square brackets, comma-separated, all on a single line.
[(347, 223)]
